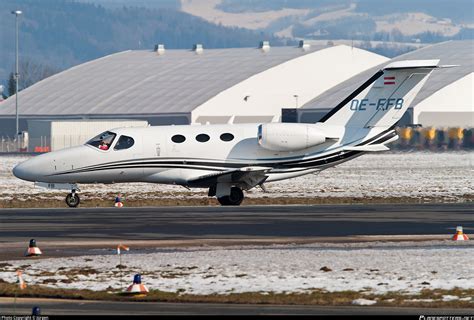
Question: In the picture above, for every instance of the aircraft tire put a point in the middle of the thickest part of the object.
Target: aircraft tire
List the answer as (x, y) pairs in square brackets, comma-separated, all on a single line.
[(234, 199), (224, 201), (72, 200)]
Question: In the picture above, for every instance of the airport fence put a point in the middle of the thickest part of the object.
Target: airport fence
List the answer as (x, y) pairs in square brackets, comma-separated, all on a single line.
[(8, 145)]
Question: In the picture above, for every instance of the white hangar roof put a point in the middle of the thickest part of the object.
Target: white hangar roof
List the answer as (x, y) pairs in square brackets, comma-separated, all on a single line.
[(145, 83)]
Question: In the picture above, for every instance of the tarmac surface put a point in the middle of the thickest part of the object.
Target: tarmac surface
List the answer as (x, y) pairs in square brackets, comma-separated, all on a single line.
[(74, 231), (246, 222), (82, 307)]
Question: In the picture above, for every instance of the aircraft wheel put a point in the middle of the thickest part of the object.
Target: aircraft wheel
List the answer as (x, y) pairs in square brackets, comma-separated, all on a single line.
[(224, 201), (72, 200), (234, 199)]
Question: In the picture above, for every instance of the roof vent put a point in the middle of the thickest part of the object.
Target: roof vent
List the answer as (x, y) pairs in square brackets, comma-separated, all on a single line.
[(264, 46), (305, 46), (160, 49), (198, 48)]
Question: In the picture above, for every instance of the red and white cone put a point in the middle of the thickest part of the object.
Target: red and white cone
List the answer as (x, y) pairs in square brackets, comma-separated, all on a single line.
[(137, 287), (460, 236), (118, 201), (32, 250)]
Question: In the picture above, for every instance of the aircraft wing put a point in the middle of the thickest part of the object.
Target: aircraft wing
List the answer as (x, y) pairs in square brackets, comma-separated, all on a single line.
[(246, 177)]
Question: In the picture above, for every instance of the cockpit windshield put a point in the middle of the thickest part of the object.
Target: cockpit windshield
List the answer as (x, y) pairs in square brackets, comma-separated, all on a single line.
[(103, 141)]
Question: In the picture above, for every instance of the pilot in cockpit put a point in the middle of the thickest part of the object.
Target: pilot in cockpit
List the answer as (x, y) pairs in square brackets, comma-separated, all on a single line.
[(102, 141), (103, 146)]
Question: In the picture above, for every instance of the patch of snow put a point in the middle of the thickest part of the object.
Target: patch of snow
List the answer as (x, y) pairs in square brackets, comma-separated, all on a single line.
[(450, 298), (364, 302), (421, 300), (283, 268)]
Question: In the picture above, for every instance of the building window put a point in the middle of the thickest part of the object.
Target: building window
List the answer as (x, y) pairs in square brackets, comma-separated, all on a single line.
[(202, 137), (178, 138), (227, 137)]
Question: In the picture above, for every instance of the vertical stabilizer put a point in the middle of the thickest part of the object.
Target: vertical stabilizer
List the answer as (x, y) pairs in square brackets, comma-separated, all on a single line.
[(384, 98)]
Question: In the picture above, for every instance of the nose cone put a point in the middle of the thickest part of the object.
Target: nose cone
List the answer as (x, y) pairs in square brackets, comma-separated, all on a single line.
[(23, 171), (27, 170)]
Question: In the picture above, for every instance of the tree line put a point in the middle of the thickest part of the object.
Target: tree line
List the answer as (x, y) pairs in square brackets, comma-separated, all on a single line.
[(58, 34)]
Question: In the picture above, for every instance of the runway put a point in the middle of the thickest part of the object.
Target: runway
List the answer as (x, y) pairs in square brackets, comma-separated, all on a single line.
[(233, 222), (246, 222)]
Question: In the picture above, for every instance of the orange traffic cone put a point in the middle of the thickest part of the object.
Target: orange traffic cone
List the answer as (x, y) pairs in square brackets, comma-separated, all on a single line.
[(460, 236), (137, 287), (32, 250), (118, 201)]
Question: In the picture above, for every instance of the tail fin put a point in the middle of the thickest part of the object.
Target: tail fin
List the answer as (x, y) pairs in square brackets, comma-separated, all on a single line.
[(384, 98)]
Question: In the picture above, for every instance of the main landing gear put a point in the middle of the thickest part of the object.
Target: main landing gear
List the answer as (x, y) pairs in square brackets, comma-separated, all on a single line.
[(234, 198), (72, 199)]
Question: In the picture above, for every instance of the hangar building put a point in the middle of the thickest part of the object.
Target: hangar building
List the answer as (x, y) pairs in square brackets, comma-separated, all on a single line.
[(189, 86), (445, 100)]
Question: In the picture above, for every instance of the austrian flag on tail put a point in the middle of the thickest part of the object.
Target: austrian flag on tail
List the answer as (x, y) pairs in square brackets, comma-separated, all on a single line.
[(388, 80), (121, 246)]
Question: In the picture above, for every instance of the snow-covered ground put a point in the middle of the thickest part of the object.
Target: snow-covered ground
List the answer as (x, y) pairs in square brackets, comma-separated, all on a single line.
[(375, 268), (447, 175)]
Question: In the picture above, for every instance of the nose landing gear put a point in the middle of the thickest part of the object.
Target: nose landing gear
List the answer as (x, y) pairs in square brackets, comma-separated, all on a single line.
[(72, 199)]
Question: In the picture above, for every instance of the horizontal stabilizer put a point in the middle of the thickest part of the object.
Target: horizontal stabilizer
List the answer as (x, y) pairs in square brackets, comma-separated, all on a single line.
[(412, 64), (368, 148)]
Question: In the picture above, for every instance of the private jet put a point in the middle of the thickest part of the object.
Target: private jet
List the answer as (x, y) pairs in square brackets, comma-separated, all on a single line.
[(229, 159)]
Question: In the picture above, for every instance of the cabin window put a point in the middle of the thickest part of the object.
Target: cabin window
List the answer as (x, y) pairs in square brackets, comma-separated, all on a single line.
[(227, 137), (202, 137), (178, 138), (124, 142), (103, 141)]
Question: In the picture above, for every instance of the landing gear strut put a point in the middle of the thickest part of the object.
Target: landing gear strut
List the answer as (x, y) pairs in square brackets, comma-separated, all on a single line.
[(234, 199), (72, 199)]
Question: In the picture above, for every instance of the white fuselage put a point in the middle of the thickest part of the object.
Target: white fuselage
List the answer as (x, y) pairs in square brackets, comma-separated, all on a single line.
[(155, 158)]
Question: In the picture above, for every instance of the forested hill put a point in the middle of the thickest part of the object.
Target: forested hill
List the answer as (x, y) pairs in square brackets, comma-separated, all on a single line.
[(61, 33)]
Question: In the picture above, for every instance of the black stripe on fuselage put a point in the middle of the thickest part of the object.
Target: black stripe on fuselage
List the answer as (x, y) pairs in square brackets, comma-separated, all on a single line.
[(314, 165), (375, 139)]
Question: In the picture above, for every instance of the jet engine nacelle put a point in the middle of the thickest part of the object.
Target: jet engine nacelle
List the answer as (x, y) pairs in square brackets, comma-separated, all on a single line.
[(289, 136)]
